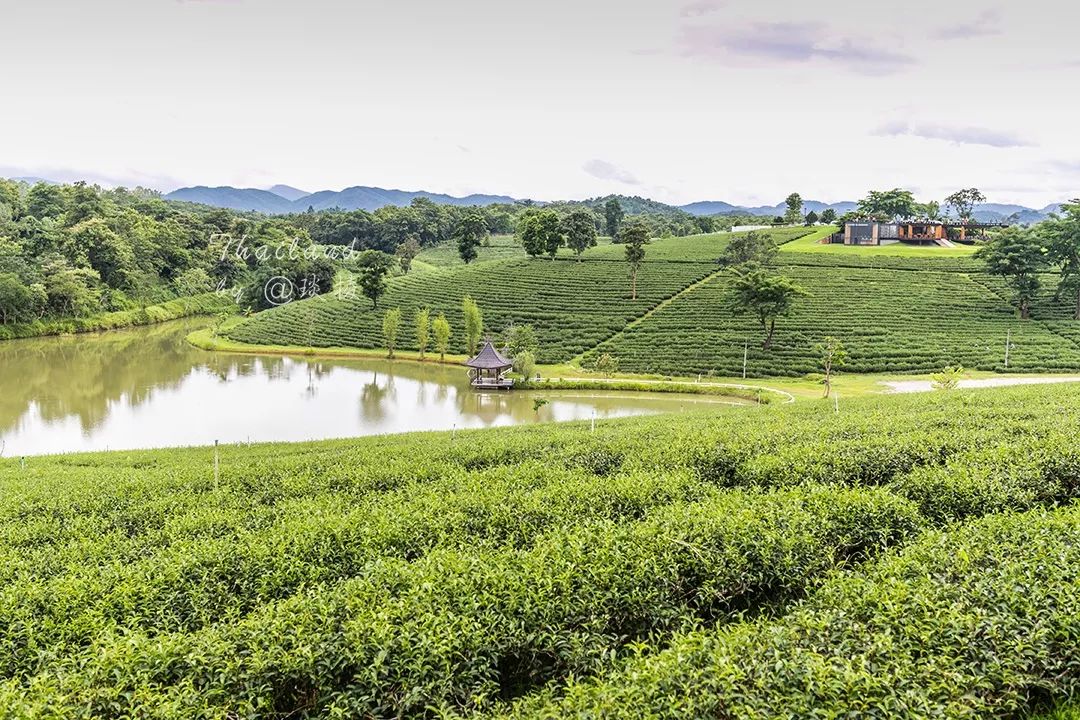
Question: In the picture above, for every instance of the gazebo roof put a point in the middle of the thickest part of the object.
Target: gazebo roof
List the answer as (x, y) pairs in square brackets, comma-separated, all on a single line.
[(489, 359)]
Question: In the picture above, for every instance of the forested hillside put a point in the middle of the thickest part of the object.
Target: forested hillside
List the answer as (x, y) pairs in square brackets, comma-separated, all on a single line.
[(72, 251)]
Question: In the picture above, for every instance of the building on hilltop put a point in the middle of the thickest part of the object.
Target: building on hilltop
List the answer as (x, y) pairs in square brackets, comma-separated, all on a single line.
[(912, 232)]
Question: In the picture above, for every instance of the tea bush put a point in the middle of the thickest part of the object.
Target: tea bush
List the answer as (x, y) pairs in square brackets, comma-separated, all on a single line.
[(769, 560)]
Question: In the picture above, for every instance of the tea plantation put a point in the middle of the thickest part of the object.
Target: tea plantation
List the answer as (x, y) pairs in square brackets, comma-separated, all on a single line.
[(894, 313), (889, 320), (573, 306), (907, 557)]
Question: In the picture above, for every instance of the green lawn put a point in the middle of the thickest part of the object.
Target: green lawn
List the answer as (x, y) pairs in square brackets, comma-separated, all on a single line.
[(811, 244)]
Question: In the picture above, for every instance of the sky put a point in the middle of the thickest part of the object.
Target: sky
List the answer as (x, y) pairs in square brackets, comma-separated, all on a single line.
[(744, 101)]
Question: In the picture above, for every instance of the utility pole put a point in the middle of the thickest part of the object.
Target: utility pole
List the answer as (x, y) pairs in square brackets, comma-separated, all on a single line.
[(1008, 344), (745, 354), (216, 465)]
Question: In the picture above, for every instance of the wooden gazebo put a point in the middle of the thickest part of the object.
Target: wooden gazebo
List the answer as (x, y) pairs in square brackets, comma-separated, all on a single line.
[(488, 368)]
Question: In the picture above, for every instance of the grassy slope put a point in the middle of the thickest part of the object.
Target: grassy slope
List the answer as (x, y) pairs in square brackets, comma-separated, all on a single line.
[(324, 577), (889, 320), (896, 311), (573, 305)]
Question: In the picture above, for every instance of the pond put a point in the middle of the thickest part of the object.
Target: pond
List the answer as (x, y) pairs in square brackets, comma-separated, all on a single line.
[(147, 387)]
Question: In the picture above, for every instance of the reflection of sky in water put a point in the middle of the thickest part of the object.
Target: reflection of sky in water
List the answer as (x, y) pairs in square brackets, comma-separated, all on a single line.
[(146, 388)]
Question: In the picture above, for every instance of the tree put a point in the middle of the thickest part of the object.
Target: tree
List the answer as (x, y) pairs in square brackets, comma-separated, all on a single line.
[(1062, 237), (406, 252), (541, 233), (519, 339), (1016, 254), (767, 296), (833, 355), (193, 281), (963, 203), (778, 220), (474, 324), (440, 328), (947, 379), (391, 324), (634, 235), (794, 213), (422, 324), (931, 210), (812, 218), (606, 364), (613, 216), (374, 267), (16, 301), (828, 216), (749, 248), (471, 232), (888, 205), (525, 363), (579, 227)]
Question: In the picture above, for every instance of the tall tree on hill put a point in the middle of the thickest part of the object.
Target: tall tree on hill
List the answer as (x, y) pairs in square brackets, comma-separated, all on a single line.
[(613, 216), (963, 202), (1016, 254), (794, 214), (769, 297), (422, 325), (374, 266), (471, 232), (888, 205), (833, 355), (1062, 238), (541, 233), (474, 324), (580, 230), (828, 216), (440, 330), (635, 235), (750, 248), (407, 252), (391, 324)]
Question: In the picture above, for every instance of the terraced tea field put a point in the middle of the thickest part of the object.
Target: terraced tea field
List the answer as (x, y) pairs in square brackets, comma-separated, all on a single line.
[(911, 553), (573, 306), (889, 320)]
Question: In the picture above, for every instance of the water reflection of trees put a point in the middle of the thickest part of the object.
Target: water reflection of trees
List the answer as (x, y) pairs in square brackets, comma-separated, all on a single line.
[(82, 376)]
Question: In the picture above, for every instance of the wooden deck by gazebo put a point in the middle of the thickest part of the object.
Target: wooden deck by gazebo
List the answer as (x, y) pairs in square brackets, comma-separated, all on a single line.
[(488, 369)]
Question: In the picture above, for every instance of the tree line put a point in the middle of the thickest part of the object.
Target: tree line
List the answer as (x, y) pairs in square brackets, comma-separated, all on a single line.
[(77, 250)]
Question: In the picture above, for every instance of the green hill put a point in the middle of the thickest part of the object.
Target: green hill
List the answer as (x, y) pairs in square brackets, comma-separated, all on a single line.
[(894, 311), (912, 552)]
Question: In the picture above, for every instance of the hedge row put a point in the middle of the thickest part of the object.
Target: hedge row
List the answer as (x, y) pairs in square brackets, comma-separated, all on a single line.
[(977, 622), (459, 629), (888, 320), (572, 305)]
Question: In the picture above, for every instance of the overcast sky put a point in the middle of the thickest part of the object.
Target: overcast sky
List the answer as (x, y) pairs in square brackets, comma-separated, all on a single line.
[(686, 100)]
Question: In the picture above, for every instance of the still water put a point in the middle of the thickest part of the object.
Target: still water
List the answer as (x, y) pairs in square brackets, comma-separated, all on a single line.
[(147, 387)]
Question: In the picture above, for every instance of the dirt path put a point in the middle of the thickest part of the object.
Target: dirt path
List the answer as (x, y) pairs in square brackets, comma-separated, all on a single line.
[(914, 386)]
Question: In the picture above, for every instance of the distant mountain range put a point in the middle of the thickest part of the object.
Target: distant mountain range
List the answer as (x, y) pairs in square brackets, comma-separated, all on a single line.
[(715, 207), (282, 199)]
